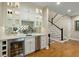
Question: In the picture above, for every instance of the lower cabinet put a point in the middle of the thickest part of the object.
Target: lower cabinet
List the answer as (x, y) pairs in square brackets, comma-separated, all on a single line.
[(3, 48), (43, 42), (29, 44), (32, 45)]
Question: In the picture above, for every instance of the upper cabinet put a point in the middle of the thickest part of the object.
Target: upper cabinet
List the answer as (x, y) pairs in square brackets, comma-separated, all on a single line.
[(16, 14), (30, 13), (11, 15)]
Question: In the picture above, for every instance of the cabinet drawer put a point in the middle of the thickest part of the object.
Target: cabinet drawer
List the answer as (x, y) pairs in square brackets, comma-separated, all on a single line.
[(30, 37)]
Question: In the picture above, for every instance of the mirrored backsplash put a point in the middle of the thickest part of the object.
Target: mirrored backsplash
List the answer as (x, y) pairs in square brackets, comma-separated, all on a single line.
[(26, 27)]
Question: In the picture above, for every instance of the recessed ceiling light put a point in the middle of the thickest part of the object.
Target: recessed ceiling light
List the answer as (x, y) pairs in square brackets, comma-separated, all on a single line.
[(8, 3), (58, 3), (68, 10)]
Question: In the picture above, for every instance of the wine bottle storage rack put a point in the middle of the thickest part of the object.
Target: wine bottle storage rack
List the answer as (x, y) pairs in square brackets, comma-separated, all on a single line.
[(3, 42), (4, 48), (4, 53)]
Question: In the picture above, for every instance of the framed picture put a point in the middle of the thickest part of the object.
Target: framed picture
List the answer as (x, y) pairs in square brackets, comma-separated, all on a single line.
[(77, 25)]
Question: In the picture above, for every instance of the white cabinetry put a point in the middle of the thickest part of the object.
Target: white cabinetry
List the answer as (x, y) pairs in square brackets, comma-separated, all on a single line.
[(33, 45), (43, 42), (11, 16), (3, 48), (32, 14), (29, 44)]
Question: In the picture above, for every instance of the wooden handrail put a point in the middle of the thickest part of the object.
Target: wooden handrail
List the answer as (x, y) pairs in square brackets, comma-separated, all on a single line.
[(61, 29), (54, 25)]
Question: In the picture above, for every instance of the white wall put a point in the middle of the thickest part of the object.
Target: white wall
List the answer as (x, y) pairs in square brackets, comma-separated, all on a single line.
[(67, 26), (75, 34)]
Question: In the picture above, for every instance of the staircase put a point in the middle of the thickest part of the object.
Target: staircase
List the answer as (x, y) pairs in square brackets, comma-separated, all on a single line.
[(56, 33)]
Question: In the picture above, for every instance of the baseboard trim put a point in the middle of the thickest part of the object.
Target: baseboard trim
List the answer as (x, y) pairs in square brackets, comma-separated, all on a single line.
[(62, 41), (58, 40), (74, 39)]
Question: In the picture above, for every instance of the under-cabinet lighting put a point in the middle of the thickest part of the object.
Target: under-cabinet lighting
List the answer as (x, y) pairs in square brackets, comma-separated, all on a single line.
[(16, 12)]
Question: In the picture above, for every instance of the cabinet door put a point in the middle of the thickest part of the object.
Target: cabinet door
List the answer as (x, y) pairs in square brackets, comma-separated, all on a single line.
[(33, 44), (43, 42), (27, 46)]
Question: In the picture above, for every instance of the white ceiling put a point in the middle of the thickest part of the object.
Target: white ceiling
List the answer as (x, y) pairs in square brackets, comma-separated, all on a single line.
[(62, 8)]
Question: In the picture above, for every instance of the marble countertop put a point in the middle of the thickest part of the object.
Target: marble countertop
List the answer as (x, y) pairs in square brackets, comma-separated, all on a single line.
[(13, 36), (35, 34), (6, 37)]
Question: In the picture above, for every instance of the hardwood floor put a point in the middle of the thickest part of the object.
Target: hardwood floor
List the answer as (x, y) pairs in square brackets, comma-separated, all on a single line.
[(66, 49)]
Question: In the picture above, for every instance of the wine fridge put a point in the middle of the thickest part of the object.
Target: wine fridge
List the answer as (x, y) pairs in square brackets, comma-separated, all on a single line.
[(16, 47)]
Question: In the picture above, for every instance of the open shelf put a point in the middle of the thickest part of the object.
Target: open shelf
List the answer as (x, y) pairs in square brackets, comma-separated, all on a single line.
[(4, 53), (3, 47), (3, 42)]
